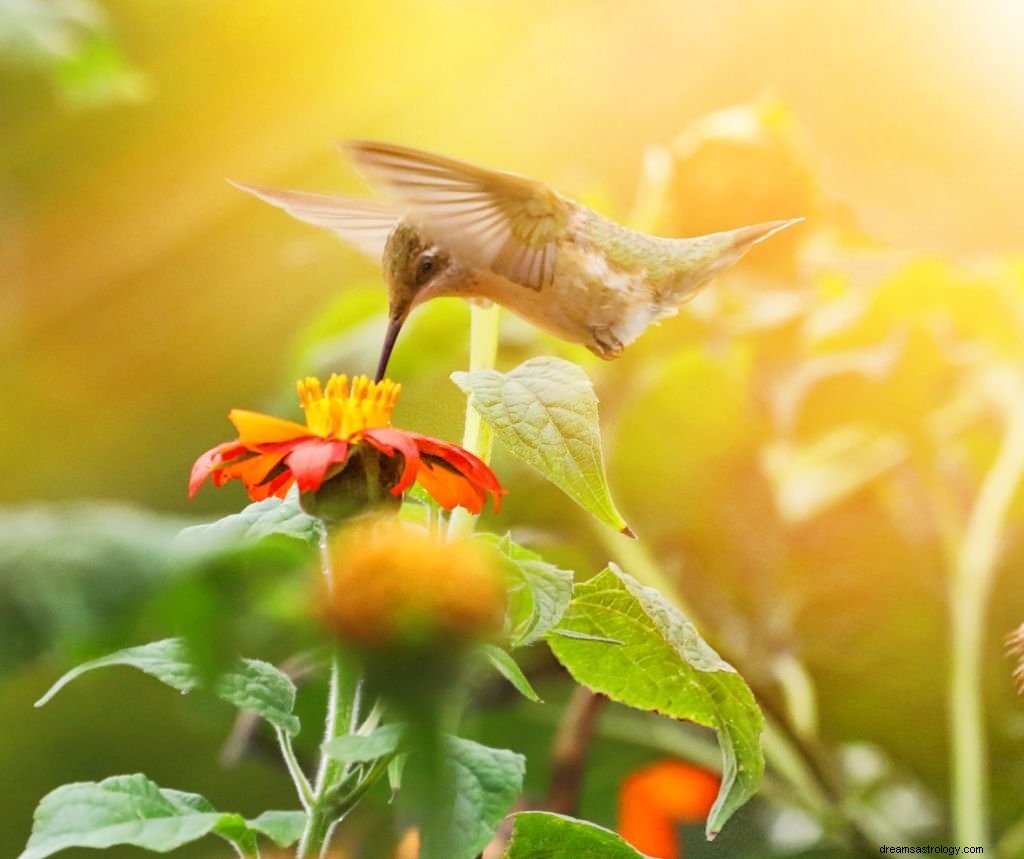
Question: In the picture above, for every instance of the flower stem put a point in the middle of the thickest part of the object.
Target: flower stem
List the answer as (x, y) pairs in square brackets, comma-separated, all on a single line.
[(477, 436), (969, 590), (302, 785), (343, 696)]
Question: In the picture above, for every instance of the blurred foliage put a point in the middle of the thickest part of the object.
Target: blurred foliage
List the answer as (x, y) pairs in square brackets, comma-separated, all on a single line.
[(71, 574), (69, 41)]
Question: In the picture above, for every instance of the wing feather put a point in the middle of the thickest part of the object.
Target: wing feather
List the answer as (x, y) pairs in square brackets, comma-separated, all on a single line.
[(491, 219), (365, 224)]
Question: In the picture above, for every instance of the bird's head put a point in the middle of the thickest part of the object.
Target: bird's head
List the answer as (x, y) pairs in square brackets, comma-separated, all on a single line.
[(416, 270)]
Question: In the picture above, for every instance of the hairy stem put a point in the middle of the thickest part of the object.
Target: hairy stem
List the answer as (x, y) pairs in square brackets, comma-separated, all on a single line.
[(302, 786), (342, 710)]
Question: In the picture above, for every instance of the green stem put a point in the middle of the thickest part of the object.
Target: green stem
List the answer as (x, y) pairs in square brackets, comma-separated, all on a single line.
[(302, 785), (477, 436), (244, 853), (969, 591), (342, 710)]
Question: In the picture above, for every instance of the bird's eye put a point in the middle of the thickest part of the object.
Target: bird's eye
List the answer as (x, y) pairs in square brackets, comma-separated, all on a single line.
[(426, 268)]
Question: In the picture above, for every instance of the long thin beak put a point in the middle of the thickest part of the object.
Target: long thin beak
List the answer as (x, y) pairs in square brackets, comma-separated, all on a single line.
[(395, 323)]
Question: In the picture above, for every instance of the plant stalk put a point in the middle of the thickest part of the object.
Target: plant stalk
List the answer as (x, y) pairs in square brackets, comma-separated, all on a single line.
[(343, 695), (477, 437), (969, 590)]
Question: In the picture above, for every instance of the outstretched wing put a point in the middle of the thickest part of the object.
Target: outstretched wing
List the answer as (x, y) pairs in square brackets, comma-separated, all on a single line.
[(365, 224), (490, 219)]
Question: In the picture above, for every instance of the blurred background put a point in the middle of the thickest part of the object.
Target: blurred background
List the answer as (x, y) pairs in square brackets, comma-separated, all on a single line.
[(800, 450)]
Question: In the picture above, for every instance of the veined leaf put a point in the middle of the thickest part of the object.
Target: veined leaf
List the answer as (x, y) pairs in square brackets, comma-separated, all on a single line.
[(481, 785), (260, 520), (253, 685), (539, 594), (133, 810), (662, 664), (545, 412), (538, 834)]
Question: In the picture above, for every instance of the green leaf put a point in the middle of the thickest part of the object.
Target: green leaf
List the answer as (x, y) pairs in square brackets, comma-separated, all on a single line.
[(545, 412), (508, 668), (133, 810), (485, 782), (537, 834), (662, 664), (395, 768), (357, 748), (259, 521), (539, 593), (284, 828), (253, 685)]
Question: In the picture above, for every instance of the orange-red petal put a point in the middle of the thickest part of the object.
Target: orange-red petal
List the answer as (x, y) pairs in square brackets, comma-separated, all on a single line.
[(310, 459), (210, 461), (256, 429), (449, 487), (389, 441), (251, 470), (471, 467)]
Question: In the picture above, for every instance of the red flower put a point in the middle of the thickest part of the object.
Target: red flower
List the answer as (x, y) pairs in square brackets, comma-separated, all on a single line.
[(270, 454)]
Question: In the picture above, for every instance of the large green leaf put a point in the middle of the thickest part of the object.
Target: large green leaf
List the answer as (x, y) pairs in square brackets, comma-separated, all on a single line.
[(252, 685), (545, 412), (537, 834), (539, 592), (131, 809), (662, 664), (485, 783)]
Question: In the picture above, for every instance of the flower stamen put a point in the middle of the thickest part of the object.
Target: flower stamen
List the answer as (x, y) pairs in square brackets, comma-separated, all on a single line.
[(342, 409)]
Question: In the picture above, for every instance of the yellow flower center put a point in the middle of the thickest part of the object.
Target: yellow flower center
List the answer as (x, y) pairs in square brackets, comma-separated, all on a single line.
[(341, 409)]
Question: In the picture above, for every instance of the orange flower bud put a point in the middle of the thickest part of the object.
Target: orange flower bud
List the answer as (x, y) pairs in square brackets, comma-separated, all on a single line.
[(396, 587)]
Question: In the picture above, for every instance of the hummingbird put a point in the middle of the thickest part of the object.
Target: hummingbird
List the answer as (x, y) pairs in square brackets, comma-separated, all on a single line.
[(451, 228)]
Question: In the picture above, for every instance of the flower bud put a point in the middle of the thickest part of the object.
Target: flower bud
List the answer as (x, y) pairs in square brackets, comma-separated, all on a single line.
[(362, 485), (397, 587)]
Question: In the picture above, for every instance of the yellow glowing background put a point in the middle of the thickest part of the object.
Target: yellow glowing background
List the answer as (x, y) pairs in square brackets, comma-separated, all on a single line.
[(141, 296)]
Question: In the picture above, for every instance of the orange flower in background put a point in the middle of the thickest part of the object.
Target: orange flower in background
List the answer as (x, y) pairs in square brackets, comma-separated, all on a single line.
[(343, 422), (655, 799)]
